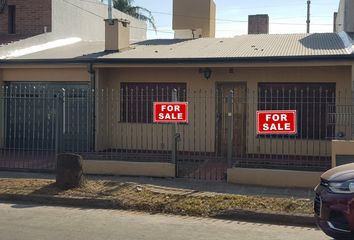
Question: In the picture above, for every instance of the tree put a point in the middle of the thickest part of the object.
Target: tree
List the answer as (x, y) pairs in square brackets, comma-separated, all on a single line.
[(141, 13)]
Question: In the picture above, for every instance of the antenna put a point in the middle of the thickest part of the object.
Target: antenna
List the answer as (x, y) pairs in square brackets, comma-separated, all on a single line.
[(308, 16), (110, 10)]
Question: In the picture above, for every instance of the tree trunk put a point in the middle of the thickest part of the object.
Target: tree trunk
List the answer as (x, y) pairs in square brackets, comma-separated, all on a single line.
[(69, 173)]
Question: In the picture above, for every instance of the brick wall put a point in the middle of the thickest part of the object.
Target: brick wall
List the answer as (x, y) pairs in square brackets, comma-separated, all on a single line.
[(31, 18), (258, 24)]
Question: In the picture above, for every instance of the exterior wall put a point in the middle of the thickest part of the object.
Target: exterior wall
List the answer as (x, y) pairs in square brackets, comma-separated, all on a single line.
[(117, 135), (212, 27), (113, 134), (349, 24), (258, 24), (80, 22), (273, 178), (129, 168), (345, 17), (353, 79), (344, 148), (339, 75), (69, 18), (1, 113), (109, 125), (46, 74), (102, 129), (196, 14), (340, 16), (32, 16), (54, 74)]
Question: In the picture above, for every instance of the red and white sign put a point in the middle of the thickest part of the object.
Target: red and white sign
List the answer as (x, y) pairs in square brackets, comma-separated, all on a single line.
[(170, 112), (276, 122)]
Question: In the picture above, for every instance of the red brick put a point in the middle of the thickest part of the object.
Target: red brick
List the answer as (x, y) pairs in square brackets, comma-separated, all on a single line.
[(31, 18), (258, 24)]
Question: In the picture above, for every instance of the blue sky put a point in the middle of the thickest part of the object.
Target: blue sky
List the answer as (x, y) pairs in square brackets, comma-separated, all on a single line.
[(286, 16)]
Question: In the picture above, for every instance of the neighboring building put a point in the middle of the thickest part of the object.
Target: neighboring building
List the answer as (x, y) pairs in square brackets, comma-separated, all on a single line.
[(258, 24), (335, 14), (24, 18), (345, 17), (194, 19), (21, 19)]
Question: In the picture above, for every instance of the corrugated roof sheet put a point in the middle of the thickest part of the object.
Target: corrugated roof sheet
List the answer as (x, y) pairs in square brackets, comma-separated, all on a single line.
[(80, 50), (241, 46), (247, 46)]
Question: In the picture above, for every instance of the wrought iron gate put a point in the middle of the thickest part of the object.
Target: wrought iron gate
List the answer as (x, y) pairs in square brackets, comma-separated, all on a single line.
[(41, 120)]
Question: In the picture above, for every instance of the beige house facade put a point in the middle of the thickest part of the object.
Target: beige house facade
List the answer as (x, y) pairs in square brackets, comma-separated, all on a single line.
[(250, 77), (92, 93), (206, 71), (111, 77)]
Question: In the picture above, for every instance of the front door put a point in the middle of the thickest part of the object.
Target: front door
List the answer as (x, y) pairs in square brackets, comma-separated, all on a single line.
[(238, 107)]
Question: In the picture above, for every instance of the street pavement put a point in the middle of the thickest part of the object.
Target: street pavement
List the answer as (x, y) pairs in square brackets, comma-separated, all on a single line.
[(33, 222)]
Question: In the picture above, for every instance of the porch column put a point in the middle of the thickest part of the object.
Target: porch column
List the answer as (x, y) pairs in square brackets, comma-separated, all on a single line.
[(351, 137), (2, 113), (353, 79)]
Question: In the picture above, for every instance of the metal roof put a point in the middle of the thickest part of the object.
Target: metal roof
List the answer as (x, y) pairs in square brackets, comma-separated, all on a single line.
[(318, 44), (239, 47)]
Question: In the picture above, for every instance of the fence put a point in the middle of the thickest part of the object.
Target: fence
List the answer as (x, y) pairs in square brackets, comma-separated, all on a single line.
[(40, 121)]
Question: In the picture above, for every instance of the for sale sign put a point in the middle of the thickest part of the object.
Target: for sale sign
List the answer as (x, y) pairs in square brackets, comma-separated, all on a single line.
[(276, 122), (170, 112)]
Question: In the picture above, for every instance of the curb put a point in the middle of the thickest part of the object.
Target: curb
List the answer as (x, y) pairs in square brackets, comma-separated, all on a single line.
[(234, 215), (60, 201), (270, 218)]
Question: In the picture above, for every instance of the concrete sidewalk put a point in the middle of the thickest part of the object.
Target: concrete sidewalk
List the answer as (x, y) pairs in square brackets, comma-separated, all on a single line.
[(186, 185)]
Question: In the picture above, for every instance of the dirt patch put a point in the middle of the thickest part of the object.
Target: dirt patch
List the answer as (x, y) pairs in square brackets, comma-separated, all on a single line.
[(145, 198)]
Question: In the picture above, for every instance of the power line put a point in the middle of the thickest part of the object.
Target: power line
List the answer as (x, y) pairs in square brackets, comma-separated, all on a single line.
[(101, 17), (264, 6), (294, 17), (221, 19), (233, 20), (172, 32), (70, 3)]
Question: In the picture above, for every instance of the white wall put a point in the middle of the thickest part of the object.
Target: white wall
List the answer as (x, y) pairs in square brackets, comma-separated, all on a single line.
[(84, 19)]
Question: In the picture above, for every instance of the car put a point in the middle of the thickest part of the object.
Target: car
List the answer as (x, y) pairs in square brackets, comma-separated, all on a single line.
[(334, 202)]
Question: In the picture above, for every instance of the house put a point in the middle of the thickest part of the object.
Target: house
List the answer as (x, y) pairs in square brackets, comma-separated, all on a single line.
[(21, 19), (344, 18), (56, 19), (98, 96)]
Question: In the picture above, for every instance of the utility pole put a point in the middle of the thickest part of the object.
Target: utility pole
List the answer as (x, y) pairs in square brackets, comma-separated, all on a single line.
[(308, 16)]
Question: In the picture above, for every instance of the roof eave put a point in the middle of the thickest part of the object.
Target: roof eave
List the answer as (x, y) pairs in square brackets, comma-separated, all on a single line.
[(139, 61)]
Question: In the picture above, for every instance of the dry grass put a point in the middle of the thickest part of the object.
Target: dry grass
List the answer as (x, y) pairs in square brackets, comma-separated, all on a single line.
[(137, 197)]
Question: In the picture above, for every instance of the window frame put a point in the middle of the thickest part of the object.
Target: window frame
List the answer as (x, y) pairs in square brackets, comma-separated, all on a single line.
[(321, 128), (11, 19), (146, 107)]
